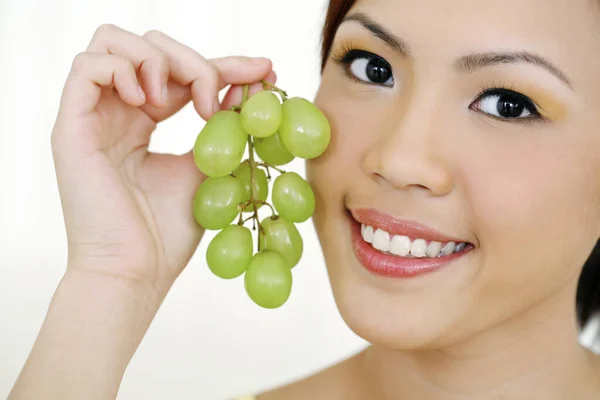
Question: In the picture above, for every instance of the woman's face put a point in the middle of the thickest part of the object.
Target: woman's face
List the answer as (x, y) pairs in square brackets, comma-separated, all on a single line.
[(479, 121)]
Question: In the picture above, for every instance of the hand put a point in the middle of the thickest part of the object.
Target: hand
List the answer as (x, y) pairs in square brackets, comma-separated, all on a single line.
[(128, 213)]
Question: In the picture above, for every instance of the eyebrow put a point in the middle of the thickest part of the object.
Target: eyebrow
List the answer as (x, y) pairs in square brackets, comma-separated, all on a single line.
[(467, 63), (379, 31), (472, 62)]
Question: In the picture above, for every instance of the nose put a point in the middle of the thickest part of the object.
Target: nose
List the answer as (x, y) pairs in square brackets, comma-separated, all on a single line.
[(410, 152)]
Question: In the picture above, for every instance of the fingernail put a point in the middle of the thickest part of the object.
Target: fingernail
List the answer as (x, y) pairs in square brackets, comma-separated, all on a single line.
[(165, 93), (259, 59)]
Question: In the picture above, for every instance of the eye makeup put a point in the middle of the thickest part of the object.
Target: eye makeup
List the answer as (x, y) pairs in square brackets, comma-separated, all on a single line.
[(344, 52), (340, 52), (548, 104)]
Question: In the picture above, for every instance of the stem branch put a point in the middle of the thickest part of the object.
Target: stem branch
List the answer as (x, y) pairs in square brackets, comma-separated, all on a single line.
[(270, 86), (244, 94), (265, 165), (254, 200)]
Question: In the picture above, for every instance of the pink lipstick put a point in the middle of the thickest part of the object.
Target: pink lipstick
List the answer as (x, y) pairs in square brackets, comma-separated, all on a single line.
[(391, 265)]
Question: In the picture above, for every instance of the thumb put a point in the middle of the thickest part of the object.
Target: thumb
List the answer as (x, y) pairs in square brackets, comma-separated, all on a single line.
[(169, 183)]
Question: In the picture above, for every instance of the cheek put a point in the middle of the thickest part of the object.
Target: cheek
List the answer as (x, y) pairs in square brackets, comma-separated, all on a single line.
[(339, 170), (353, 129), (533, 207)]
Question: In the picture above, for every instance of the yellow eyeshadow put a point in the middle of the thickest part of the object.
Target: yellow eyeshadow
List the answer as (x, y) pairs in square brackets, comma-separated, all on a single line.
[(548, 105), (340, 46)]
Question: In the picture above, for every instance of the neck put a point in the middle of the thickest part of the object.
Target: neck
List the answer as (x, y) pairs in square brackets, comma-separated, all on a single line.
[(534, 355)]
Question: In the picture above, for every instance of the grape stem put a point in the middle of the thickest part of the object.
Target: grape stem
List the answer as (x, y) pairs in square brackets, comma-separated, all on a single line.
[(243, 221), (244, 95), (270, 86), (252, 163), (267, 166), (268, 205), (252, 186), (253, 166), (247, 204)]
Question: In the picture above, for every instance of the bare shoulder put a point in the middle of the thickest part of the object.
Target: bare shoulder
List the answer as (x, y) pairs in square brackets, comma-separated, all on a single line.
[(332, 383)]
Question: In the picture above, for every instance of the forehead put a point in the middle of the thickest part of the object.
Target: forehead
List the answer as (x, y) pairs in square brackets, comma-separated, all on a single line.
[(560, 9), (560, 18)]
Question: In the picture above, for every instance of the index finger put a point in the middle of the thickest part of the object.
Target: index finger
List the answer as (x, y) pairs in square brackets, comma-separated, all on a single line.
[(207, 78)]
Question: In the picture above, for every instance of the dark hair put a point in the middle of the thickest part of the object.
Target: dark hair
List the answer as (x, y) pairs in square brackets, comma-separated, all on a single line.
[(336, 12), (588, 289)]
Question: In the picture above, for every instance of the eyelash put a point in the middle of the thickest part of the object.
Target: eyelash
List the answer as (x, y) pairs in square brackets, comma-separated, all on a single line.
[(347, 53), (500, 89)]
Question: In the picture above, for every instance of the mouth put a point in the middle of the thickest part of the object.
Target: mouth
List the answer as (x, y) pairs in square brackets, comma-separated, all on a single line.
[(391, 247)]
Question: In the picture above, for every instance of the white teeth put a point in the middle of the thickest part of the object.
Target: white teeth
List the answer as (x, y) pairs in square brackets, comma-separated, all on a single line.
[(418, 248), (448, 248), (381, 240), (433, 249), (400, 245), (368, 234)]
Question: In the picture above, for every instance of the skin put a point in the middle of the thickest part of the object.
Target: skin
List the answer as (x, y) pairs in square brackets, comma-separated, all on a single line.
[(500, 323), (127, 211), (419, 153)]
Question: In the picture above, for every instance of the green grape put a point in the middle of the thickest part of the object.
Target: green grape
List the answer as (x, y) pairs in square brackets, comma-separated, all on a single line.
[(304, 129), (272, 151), (293, 197), (268, 279), (261, 184), (261, 114), (229, 253), (282, 236), (220, 146), (216, 202)]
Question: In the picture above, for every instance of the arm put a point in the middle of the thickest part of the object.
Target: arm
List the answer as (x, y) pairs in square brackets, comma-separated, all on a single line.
[(93, 327), (127, 211)]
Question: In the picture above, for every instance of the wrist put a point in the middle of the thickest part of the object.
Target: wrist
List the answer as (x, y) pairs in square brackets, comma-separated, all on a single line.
[(93, 327), (136, 295), (130, 281)]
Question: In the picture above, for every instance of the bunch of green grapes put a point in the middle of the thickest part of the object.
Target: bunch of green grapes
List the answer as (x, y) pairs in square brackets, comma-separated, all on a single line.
[(276, 129)]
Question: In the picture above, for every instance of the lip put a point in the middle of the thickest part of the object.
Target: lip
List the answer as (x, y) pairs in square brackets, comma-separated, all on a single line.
[(395, 226), (392, 266)]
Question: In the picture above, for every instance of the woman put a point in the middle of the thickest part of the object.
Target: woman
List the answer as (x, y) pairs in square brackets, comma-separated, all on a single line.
[(457, 202)]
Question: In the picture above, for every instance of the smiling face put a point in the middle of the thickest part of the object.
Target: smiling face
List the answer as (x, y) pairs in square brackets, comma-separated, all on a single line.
[(479, 122)]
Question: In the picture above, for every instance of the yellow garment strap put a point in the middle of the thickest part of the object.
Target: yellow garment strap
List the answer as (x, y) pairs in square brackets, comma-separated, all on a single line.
[(246, 397)]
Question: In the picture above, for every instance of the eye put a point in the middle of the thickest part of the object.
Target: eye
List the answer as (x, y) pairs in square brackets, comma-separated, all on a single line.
[(368, 67), (506, 104)]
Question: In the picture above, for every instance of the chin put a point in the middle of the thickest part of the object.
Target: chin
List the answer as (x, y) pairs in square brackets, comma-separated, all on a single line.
[(393, 320), (415, 311)]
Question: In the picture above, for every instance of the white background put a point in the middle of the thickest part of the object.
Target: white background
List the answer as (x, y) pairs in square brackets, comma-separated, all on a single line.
[(208, 341)]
